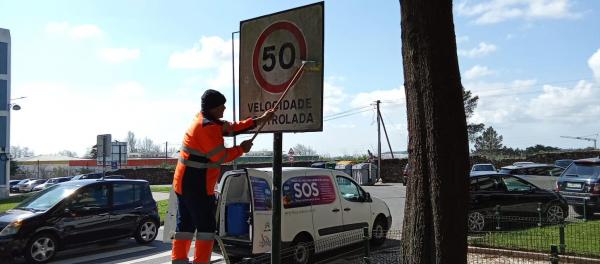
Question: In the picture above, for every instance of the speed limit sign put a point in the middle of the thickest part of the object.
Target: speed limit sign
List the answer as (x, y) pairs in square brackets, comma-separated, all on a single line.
[(272, 49)]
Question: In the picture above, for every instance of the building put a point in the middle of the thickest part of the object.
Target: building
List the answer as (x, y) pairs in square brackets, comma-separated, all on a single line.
[(4, 111)]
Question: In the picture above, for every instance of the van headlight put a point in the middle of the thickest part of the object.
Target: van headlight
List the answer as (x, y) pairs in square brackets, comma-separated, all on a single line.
[(11, 228)]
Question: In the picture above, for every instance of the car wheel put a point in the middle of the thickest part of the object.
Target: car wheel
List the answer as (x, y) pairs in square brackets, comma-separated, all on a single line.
[(476, 221), (146, 231), (41, 248), (379, 232), (302, 250), (555, 214)]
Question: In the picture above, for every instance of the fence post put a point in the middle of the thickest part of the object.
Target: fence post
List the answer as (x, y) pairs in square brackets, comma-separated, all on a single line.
[(539, 209), (367, 247), (561, 234), (585, 210), (553, 254), (497, 217)]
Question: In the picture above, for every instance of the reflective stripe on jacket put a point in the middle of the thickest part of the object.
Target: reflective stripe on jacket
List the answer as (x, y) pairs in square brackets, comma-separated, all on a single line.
[(202, 153)]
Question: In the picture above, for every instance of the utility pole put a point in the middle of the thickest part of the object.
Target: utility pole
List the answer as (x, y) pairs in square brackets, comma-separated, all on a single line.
[(386, 134), (378, 141)]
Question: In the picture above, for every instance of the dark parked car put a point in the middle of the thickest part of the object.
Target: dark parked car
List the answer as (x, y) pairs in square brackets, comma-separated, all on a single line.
[(542, 175), (564, 163), (515, 196), (77, 213), (87, 176), (13, 186), (579, 182)]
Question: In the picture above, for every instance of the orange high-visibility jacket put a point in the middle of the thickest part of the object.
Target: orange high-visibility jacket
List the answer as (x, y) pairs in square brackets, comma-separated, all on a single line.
[(203, 152)]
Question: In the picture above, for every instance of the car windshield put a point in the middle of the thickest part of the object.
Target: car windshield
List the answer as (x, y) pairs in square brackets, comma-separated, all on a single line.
[(47, 198), (483, 168), (583, 170)]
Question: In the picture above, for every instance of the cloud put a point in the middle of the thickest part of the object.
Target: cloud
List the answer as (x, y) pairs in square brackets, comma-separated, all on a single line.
[(500, 102), (118, 55), (495, 11), (594, 64), (462, 39), (580, 104), (477, 72), (79, 32), (72, 115), (334, 97), (393, 98), (210, 52), (128, 90), (481, 50)]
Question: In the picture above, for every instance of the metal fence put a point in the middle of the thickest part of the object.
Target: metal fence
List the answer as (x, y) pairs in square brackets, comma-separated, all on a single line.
[(503, 240)]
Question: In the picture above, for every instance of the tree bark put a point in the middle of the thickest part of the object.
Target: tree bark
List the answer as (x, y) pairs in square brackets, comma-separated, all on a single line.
[(435, 220)]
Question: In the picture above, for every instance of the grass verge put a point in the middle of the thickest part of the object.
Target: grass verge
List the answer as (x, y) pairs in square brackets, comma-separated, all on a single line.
[(11, 202), (165, 189), (162, 210), (581, 239)]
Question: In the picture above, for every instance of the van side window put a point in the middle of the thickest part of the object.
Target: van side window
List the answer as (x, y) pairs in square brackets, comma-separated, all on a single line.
[(348, 189)]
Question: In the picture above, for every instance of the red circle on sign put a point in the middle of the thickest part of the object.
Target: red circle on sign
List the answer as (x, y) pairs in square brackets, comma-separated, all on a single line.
[(283, 25)]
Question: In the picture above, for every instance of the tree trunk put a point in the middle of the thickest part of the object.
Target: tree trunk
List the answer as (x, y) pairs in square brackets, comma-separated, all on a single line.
[(435, 219)]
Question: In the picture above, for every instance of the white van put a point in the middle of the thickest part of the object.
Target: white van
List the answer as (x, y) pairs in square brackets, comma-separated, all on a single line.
[(319, 205)]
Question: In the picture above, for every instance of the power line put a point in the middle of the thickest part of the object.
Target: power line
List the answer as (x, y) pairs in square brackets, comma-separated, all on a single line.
[(346, 111), (346, 115)]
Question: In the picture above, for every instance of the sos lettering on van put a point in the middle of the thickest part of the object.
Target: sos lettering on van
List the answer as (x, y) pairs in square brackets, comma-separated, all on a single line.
[(262, 194), (308, 190)]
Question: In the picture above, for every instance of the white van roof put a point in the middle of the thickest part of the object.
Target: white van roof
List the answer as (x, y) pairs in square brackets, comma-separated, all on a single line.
[(270, 169)]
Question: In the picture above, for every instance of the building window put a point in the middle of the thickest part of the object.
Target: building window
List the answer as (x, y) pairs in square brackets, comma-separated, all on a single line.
[(3, 58)]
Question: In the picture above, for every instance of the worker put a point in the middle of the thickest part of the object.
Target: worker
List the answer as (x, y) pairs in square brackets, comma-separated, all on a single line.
[(197, 172)]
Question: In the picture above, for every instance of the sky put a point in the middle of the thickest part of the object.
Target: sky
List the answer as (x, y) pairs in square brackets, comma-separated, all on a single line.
[(109, 67)]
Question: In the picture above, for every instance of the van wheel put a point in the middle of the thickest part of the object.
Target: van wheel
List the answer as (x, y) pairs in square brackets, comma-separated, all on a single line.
[(146, 231), (41, 248), (303, 250), (379, 232)]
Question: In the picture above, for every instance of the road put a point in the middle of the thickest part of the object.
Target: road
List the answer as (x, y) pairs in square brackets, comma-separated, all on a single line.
[(127, 251)]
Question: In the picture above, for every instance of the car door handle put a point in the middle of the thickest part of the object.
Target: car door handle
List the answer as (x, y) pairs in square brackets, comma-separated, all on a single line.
[(347, 209), (138, 208), (335, 210)]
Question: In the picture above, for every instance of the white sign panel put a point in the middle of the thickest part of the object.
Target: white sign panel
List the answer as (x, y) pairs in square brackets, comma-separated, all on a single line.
[(272, 49), (103, 148)]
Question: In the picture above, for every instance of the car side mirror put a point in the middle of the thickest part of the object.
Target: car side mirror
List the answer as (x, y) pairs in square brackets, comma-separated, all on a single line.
[(368, 197)]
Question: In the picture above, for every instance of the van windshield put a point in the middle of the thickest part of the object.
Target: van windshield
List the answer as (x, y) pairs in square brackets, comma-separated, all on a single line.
[(583, 170), (47, 198)]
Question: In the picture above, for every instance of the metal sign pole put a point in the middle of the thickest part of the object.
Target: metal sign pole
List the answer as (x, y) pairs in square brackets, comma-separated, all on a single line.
[(276, 218)]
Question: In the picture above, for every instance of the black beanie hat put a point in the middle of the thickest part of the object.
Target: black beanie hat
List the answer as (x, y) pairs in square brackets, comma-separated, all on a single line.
[(211, 99)]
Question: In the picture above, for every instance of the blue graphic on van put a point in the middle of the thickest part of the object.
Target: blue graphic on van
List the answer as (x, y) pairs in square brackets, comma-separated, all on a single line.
[(261, 192), (308, 190)]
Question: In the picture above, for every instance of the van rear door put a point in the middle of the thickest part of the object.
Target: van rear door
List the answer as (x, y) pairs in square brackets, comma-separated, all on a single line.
[(262, 210)]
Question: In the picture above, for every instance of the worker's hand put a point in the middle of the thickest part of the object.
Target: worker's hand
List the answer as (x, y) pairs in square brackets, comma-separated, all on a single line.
[(265, 117), (246, 145)]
